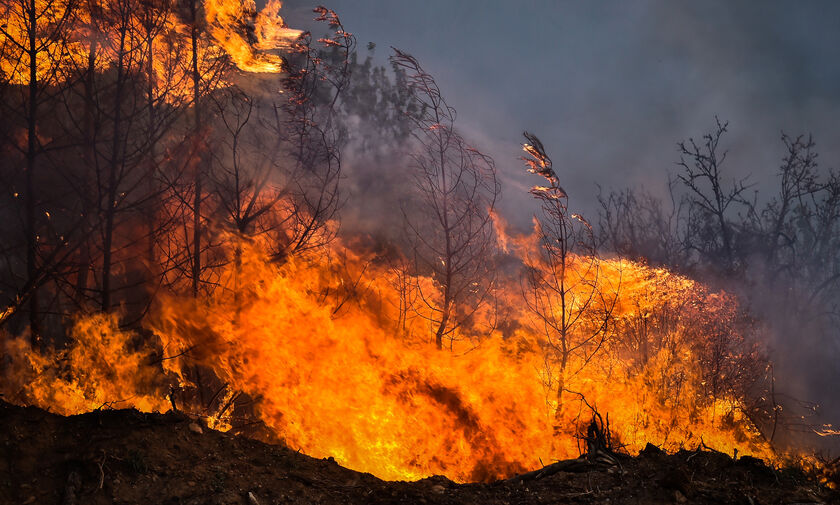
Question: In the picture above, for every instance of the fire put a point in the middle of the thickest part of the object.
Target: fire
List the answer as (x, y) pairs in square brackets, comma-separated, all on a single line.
[(103, 367), (67, 34), (225, 20), (333, 349), (18, 24), (332, 373)]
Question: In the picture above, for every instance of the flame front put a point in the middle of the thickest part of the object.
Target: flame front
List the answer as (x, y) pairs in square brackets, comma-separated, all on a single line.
[(333, 375), (325, 347)]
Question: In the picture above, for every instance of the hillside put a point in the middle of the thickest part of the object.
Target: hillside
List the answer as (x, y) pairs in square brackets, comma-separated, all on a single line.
[(128, 457)]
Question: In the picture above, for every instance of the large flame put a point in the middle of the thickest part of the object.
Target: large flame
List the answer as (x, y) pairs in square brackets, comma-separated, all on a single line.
[(333, 349), (335, 371), (65, 33), (225, 18)]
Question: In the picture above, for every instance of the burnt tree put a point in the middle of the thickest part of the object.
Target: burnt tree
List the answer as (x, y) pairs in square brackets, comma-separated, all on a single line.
[(451, 229), (35, 39), (307, 133), (563, 285)]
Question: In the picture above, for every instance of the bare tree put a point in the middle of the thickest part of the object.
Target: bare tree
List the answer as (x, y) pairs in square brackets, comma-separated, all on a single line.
[(202, 70), (122, 155), (118, 107), (308, 134), (783, 249), (241, 174), (798, 184), (35, 34), (640, 226), (564, 287), (711, 199), (451, 230), (196, 27), (240, 185), (164, 105)]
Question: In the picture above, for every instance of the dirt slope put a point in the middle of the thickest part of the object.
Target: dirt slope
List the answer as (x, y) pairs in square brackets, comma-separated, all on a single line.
[(126, 457)]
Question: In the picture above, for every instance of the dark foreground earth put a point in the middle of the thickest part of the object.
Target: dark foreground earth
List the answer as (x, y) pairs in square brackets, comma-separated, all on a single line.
[(126, 457)]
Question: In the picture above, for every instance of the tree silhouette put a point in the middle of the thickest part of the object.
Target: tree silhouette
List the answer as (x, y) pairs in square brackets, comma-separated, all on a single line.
[(451, 228)]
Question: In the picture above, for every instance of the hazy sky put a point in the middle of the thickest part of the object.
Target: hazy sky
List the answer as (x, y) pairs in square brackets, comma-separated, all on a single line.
[(610, 87)]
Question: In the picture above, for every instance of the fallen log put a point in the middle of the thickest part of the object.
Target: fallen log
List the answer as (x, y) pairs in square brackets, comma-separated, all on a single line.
[(578, 465)]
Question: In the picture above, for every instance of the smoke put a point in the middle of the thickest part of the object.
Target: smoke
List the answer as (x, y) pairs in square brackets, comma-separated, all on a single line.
[(606, 97), (610, 90)]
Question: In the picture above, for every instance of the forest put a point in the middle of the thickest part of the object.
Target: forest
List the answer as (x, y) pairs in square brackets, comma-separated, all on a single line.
[(207, 211)]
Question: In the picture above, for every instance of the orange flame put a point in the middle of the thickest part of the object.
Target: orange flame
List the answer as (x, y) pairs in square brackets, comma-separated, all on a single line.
[(103, 367), (65, 32), (333, 352), (225, 18), (333, 375)]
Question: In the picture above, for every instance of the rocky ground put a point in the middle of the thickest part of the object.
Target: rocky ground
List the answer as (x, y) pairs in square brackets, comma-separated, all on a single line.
[(126, 457)]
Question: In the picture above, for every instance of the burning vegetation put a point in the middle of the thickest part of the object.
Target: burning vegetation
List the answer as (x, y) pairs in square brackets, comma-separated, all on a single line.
[(172, 175)]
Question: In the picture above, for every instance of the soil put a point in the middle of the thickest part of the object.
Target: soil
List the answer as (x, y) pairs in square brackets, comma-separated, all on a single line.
[(128, 457)]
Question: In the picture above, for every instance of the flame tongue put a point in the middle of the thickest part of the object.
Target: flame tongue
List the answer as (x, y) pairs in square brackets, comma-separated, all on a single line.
[(270, 29), (225, 19)]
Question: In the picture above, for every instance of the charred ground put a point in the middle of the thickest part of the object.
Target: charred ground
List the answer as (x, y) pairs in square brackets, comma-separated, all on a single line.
[(128, 457)]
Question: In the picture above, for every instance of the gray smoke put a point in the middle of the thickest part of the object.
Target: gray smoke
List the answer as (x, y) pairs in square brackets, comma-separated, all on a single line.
[(610, 87)]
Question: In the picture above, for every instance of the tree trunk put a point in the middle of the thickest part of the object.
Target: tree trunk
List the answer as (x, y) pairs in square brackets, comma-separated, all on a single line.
[(199, 167), (151, 211), (444, 321), (89, 155), (447, 284), (31, 152), (111, 204)]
